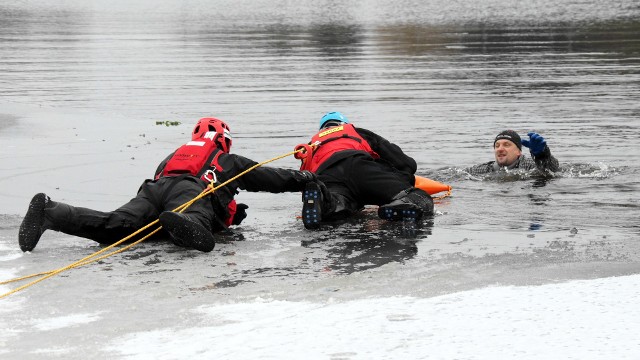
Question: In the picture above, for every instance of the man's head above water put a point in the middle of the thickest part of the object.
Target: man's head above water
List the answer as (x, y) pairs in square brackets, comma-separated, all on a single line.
[(507, 147)]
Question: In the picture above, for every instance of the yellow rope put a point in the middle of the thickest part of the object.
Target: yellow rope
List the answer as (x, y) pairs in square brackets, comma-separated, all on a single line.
[(86, 259), (448, 193), (93, 257)]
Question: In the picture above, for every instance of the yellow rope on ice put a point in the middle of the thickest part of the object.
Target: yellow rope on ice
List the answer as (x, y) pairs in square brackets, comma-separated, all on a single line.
[(94, 257)]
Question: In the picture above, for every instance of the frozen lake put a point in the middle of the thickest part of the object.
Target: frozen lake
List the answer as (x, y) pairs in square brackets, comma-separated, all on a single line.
[(510, 267)]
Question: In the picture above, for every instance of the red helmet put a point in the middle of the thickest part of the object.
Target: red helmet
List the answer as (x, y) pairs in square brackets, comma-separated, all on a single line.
[(214, 129)]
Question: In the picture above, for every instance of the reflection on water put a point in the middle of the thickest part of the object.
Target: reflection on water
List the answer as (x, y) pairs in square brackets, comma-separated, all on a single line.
[(366, 242)]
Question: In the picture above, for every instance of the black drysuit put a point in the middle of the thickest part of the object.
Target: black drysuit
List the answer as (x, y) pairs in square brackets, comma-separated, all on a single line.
[(355, 179), (169, 192), (543, 162)]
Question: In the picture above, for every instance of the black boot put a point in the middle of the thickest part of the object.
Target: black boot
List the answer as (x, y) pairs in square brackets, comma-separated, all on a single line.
[(410, 204), (312, 200), (33, 224), (46, 214), (186, 232)]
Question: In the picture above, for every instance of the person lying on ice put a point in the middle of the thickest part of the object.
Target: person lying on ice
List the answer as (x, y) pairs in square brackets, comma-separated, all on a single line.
[(507, 148), (357, 167), (182, 176)]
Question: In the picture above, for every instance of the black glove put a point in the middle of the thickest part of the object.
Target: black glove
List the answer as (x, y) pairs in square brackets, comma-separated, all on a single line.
[(241, 214), (308, 176)]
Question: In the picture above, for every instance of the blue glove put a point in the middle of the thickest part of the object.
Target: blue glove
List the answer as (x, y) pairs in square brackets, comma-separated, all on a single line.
[(536, 144)]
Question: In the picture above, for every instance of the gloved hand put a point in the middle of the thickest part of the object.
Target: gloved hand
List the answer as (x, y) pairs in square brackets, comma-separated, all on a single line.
[(308, 176), (536, 144), (241, 214)]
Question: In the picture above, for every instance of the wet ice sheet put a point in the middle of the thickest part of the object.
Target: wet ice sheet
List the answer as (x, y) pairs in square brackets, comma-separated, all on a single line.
[(284, 291), (593, 319), (65, 321), (586, 319)]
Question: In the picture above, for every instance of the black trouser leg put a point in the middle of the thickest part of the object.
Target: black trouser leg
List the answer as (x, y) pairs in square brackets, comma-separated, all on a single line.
[(102, 227), (357, 181), (154, 197), (185, 190)]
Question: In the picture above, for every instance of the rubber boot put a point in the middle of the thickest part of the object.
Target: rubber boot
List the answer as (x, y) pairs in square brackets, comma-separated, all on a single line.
[(409, 204), (33, 224), (312, 201), (319, 204), (187, 232)]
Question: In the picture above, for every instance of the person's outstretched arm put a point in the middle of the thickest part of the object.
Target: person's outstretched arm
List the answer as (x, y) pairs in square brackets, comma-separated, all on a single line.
[(270, 179), (541, 153)]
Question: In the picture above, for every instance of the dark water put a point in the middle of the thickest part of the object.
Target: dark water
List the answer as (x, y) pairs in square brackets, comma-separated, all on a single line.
[(439, 78)]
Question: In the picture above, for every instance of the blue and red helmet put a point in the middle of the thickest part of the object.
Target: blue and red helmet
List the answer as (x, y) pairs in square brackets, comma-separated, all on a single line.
[(214, 129), (333, 118)]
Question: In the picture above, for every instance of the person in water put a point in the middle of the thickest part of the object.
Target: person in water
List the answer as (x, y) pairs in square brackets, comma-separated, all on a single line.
[(356, 167), (180, 177), (507, 148)]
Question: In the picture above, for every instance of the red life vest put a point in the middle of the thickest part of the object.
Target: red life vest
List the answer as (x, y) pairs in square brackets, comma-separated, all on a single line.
[(332, 140), (232, 208), (196, 158)]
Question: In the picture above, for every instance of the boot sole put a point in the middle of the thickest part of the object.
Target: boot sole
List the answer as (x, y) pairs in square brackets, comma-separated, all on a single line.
[(186, 232), (31, 227), (399, 213), (311, 206)]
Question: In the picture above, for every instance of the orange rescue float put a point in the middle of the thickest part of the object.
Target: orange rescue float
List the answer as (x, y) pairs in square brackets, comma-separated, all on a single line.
[(432, 186)]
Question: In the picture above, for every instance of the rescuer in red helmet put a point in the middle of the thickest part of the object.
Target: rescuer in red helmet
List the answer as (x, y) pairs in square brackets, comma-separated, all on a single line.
[(182, 176)]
